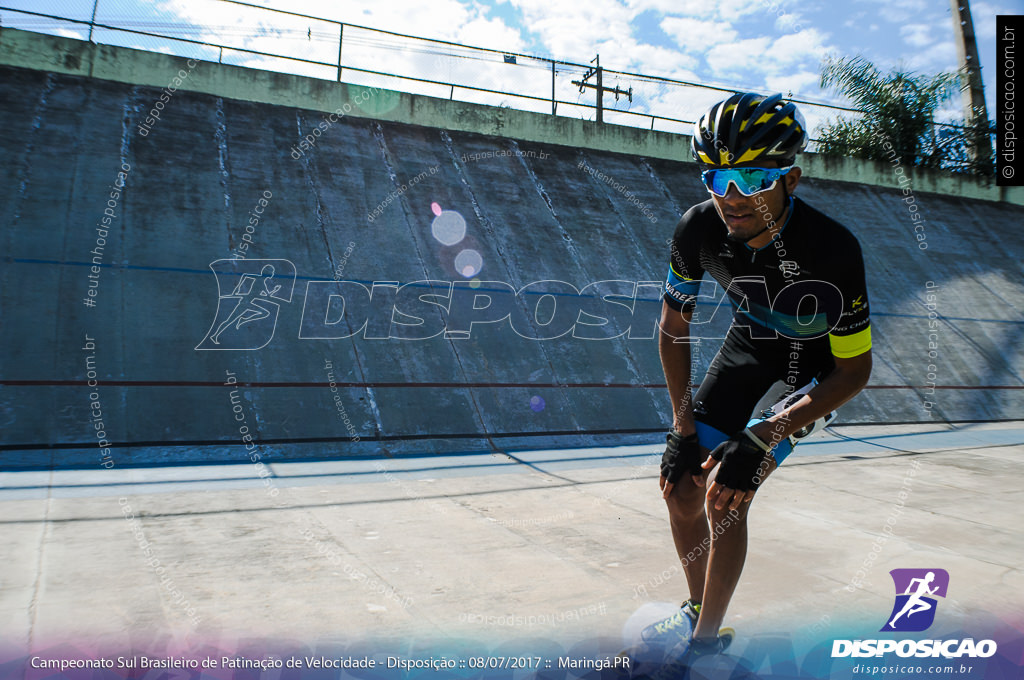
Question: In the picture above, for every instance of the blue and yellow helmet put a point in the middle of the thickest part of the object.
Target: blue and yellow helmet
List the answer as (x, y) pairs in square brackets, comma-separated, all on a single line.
[(749, 127)]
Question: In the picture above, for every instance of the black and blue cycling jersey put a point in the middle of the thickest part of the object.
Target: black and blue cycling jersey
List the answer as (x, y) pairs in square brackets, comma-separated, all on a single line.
[(807, 283)]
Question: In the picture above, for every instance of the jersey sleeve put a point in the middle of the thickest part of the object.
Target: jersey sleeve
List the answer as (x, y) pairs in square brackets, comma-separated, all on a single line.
[(851, 333), (684, 270)]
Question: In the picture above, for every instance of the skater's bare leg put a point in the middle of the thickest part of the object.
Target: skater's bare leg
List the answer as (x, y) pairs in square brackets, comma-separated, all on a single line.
[(690, 532), (725, 564)]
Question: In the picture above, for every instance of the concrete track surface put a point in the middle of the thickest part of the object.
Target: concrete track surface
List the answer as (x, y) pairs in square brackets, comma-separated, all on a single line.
[(558, 546)]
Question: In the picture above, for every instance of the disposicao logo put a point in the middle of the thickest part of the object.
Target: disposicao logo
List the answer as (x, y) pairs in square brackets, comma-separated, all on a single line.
[(251, 293), (914, 611)]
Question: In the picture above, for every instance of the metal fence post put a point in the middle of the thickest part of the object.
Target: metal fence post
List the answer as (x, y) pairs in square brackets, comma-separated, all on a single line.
[(341, 35)]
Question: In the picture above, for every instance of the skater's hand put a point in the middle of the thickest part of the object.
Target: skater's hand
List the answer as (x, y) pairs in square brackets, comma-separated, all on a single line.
[(682, 456), (722, 496), (743, 466)]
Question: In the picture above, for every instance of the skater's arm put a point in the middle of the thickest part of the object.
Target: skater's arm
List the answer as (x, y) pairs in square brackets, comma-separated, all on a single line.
[(840, 386), (674, 348), (683, 453), (850, 343), (849, 340)]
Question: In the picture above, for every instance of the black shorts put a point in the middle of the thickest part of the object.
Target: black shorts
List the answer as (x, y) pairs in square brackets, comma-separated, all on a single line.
[(743, 372)]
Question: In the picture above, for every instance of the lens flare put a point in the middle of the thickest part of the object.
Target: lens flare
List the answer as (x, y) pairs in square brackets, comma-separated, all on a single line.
[(469, 263), (537, 403), (449, 228), (435, 208)]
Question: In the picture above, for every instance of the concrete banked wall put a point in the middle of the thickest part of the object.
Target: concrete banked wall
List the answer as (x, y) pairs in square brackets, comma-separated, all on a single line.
[(533, 212)]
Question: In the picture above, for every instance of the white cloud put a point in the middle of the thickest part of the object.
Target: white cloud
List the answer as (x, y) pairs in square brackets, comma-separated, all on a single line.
[(817, 118), (719, 12), (917, 35), (696, 33), (897, 13), (787, 17), (764, 56), (855, 20), (939, 57), (440, 19), (790, 22), (684, 103), (793, 48), (684, 7), (80, 34), (797, 83), (741, 56), (659, 61), (739, 8), (493, 33), (575, 31)]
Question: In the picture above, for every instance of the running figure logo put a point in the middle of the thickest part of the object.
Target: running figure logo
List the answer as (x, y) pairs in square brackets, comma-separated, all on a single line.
[(247, 316), (914, 609)]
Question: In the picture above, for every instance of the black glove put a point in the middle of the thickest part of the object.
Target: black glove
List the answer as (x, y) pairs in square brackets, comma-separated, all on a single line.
[(682, 454), (741, 460)]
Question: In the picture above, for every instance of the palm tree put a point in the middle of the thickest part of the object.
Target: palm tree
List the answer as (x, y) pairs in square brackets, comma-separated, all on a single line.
[(898, 107)]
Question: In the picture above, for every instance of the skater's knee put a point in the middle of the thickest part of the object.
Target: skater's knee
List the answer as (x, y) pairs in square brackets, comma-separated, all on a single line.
[(686, 500), (726, 517)]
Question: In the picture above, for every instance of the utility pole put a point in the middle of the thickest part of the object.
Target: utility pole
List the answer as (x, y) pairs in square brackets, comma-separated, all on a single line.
[(596, 70), (92, 21), (972, 88)]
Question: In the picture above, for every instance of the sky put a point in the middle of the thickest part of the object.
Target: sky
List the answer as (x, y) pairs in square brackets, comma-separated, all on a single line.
[(760, 45)]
